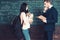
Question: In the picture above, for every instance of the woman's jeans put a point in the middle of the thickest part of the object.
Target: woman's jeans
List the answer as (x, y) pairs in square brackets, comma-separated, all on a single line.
[(26, 34)]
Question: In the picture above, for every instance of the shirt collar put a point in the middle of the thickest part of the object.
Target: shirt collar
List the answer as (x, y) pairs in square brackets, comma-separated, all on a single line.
[(50, 6)]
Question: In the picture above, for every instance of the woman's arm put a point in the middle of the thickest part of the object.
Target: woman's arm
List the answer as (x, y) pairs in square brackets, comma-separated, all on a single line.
[(23, 18)]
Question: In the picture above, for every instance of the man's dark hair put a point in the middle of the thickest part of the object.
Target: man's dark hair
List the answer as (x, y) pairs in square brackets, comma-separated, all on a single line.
[(47, 0)]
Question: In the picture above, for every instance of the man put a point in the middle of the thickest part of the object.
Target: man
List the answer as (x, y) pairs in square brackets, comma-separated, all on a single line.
[(49, 18)]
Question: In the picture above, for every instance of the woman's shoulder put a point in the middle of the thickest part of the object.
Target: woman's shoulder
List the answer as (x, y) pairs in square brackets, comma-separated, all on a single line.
[(22, 13)]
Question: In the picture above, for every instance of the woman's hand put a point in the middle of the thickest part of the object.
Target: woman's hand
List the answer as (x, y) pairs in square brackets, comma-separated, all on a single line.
[(30, 21), (30, 15)]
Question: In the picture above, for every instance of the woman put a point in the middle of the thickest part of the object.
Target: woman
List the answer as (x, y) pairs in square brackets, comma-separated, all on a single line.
[(26, 19)]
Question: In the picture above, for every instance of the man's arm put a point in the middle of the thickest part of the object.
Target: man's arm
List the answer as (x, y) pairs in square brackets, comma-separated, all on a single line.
[(50, 19), (42, 18)]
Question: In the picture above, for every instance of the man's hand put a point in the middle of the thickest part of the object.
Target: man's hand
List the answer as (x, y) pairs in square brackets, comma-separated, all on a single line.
[(45, 9), (42, 18)]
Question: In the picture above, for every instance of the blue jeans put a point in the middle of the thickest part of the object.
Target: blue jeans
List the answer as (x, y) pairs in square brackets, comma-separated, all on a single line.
[(26, 34)]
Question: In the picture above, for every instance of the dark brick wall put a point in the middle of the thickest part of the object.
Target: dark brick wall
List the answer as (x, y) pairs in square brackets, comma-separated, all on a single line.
[(56, 4), (10, 8)]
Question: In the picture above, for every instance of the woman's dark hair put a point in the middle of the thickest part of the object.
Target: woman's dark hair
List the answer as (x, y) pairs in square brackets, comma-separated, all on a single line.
[(23, 8)]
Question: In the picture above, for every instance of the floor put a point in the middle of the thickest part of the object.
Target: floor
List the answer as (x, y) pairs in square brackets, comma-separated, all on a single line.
[(36, 33)]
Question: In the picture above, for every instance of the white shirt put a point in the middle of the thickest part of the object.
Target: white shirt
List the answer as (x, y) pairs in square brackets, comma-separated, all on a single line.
[(26, 23)]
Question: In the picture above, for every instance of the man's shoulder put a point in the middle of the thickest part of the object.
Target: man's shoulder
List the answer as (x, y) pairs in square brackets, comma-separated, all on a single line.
[(53, 8)]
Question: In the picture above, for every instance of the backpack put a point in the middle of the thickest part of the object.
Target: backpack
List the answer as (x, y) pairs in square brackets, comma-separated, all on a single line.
[(17, 26)]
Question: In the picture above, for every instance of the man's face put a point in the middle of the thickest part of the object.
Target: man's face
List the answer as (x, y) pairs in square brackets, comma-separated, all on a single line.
[(46, 4)]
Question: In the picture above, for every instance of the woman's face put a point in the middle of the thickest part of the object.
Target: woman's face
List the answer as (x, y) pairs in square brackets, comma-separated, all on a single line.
[(27, 7)]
